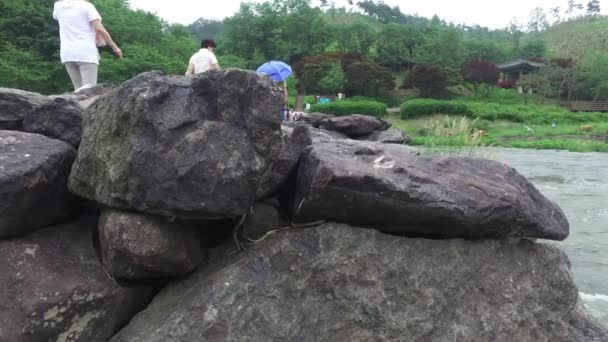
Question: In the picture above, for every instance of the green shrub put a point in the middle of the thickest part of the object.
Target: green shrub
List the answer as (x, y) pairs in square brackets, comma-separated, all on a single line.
[(310, 99), (422, 107), (351, 107), (531, 114), (362, 98)]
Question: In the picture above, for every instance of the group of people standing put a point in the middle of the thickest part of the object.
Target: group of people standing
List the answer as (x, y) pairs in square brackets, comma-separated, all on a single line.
[(81, 32)]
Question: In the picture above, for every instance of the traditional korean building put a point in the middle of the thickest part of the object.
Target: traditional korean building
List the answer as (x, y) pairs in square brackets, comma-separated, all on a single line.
[(514, 70)]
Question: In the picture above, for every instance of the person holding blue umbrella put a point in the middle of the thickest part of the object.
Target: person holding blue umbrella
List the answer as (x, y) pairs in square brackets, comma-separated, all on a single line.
[(278, 71)]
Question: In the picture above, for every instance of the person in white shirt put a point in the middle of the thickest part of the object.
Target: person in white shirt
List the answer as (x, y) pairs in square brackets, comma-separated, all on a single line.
[(80, 30), (204, 59)]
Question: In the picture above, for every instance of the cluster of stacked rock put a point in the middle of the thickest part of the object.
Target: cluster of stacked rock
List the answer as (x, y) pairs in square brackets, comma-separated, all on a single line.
[(175, 163), (356, 127), (52, 285)]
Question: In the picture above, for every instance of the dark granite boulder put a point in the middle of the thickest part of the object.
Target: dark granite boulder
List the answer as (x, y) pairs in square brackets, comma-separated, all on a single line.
[(58, 119), (391, 187), (55, 289), (354, 125), (33, 182), (138, 246), (340, 283), (189, 147), (16, 104)]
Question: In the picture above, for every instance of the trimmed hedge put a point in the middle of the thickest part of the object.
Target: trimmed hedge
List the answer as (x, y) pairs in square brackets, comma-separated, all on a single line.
[(422, 107), (493, 111), (371, 108)]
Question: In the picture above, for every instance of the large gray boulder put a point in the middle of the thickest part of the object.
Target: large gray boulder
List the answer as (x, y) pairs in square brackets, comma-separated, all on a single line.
[(60, 119), (55, 289), (354, 125), (33, 182), (137, 246), (190, 147), (312, 119), (391, 187), (16, 104), (339, 283), (296, 137), (295, 140)]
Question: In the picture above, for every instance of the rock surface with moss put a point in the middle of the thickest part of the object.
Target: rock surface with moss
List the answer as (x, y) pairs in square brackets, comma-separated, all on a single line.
[(341, 283), (55, 289), (190, 147)]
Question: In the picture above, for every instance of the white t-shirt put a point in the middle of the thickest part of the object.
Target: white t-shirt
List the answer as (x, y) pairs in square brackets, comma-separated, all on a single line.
[(76, 32), (203, 60)]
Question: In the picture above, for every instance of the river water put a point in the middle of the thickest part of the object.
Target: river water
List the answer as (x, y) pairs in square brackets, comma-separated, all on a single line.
[(578, 183)]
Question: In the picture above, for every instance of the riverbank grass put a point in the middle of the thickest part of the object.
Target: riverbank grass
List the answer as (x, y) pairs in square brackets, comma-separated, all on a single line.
[(579, 136)]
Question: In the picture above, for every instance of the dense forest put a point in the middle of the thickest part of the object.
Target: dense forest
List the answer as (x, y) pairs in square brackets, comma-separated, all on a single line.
[(366, 48)]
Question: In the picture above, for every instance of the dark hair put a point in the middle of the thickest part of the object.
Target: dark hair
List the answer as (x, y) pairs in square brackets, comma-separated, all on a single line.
[(207, 43)]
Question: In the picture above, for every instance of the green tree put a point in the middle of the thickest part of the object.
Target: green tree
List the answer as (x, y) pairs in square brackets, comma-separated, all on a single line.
[(23, 69), (442, 46), (535, 49), (429, 80), (29, 45), (205, 28), (484, 50), (356, 37), (369, 79), (231, 61), (593, 7), (278, 29), (515, 31), (334, 79), (595, 68), (538, 20), (398, 45)]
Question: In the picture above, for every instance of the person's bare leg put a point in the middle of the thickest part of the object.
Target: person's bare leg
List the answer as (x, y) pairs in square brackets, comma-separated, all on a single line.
[(74, 72)]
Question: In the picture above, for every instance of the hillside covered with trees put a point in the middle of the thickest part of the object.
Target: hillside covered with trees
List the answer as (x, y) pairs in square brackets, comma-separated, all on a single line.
[(364, 49)]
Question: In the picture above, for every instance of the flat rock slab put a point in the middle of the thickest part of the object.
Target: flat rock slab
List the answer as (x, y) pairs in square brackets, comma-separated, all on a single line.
[(189, 147), (354, 125), (16, 104), (339, 283), (392, 188), (33, 182), (138, 246), (55, 289)]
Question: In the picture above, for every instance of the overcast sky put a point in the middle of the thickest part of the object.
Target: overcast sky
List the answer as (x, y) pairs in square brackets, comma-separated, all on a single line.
[(490, 13)]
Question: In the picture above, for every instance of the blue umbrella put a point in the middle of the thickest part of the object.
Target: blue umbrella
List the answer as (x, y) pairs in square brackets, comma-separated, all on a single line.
[(278, 71)]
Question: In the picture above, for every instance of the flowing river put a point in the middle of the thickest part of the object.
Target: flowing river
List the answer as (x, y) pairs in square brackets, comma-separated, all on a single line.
[(578, 182)]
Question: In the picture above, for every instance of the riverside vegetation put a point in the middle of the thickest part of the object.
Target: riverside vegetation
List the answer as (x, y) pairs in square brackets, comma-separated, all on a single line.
[(504, 120), (366, 50)]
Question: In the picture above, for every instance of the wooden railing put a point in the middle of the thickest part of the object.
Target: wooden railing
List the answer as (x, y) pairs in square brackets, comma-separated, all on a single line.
[(589, 106)]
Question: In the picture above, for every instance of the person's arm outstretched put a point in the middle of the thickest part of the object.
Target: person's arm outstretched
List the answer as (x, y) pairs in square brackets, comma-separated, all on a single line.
[(101, 31)]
